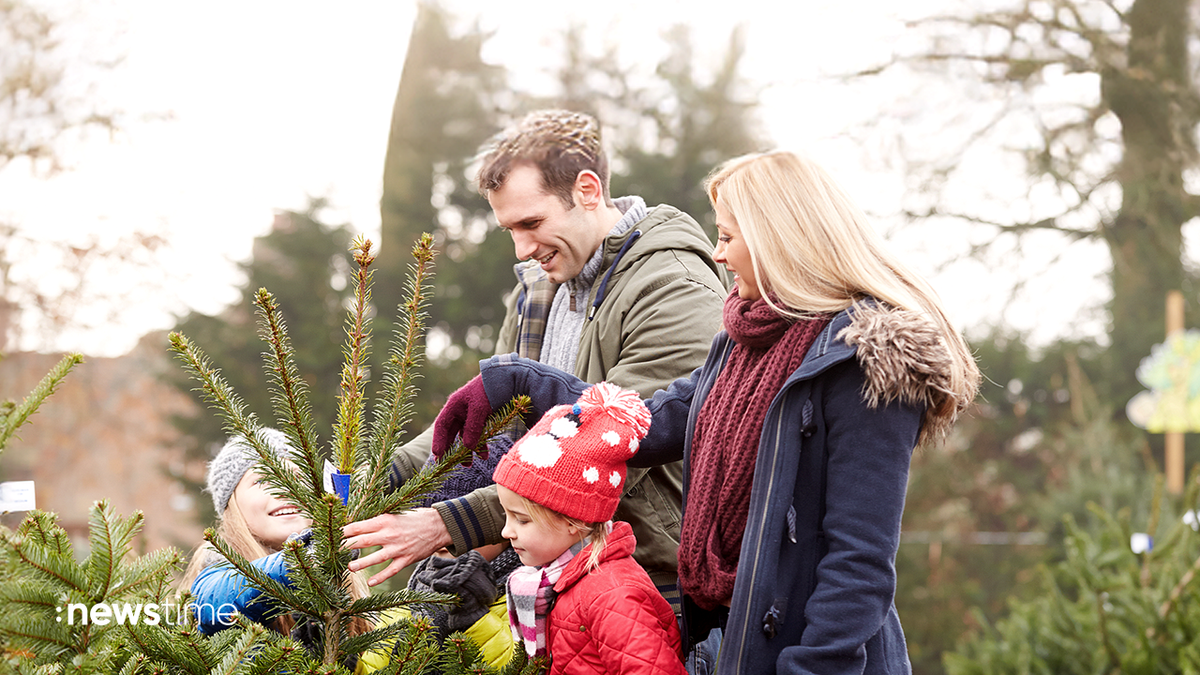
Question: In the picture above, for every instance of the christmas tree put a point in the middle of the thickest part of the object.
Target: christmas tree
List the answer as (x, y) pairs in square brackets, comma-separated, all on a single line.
[(1125, 599), (42, 579)]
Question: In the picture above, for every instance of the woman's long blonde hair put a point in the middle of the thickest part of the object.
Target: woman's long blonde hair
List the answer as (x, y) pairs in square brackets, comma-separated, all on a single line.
[(813, 250), (234, 530)]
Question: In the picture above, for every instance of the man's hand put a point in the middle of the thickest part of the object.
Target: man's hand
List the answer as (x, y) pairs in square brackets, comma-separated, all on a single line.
[(466, 411), (405, 537)]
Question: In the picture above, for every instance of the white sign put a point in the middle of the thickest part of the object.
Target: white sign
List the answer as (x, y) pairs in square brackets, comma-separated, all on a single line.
[(16, 495)]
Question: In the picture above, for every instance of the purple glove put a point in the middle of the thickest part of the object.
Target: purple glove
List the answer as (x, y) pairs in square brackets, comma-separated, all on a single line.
[(465, 412)]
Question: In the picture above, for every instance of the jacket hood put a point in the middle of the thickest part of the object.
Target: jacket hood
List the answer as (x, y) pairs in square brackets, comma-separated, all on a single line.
[(665, 228), (905, 358)]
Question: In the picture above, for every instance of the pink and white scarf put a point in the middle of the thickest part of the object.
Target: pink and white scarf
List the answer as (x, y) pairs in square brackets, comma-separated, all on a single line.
[(530, 597)]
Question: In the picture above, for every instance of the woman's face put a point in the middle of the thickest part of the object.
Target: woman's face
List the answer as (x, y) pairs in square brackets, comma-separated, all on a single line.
[(734, 254), (269, 518)]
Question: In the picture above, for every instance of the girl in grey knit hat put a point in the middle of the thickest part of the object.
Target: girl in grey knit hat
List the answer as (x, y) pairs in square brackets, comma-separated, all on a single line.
[(255, 523)]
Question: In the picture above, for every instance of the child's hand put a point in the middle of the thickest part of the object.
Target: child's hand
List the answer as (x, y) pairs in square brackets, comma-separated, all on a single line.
[(303, 536)]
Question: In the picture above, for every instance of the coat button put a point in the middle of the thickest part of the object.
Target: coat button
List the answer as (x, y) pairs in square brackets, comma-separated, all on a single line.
[(582, 629), (769, 622)]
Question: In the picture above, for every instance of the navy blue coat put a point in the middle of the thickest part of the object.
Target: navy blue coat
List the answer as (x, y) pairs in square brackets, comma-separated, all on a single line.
[(816, 578)]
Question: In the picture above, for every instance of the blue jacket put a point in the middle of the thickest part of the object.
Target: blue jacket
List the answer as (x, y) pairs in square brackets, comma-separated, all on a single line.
[(816, 577), (220, 590)]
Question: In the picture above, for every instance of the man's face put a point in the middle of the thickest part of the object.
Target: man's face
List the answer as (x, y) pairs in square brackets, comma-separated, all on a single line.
[(562, 240)]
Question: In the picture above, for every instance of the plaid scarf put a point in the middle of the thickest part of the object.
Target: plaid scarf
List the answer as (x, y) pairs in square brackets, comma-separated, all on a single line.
[(530, 597), (539, 294)]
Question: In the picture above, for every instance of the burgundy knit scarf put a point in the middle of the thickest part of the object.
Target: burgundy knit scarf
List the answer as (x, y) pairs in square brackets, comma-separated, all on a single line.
[(767, 349)]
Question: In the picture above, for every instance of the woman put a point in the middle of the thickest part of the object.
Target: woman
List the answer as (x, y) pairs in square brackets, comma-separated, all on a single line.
[(835, 362)]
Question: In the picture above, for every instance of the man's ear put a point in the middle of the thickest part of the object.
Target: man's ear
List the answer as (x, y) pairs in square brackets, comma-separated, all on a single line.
[(588, 190)]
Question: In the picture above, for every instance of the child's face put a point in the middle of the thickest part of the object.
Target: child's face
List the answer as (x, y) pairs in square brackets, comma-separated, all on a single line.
[(536, 543), (269, 518)]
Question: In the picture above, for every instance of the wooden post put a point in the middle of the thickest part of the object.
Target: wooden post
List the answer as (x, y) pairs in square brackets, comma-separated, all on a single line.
[(1173, 440)]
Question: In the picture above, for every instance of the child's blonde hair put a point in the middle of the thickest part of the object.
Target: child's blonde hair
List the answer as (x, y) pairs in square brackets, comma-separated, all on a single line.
[(595, 534)]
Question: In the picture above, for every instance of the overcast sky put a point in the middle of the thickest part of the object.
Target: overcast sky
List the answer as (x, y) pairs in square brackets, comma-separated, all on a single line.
[(240, 109)]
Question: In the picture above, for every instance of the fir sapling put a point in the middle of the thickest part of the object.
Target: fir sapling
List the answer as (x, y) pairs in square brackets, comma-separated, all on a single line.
[(321, 589)]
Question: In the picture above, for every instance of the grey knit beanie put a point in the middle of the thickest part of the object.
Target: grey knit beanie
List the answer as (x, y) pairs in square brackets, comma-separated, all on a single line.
[(225, 470)]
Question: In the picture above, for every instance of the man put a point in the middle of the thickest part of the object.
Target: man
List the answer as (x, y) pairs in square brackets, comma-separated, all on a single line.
[(609, 290)]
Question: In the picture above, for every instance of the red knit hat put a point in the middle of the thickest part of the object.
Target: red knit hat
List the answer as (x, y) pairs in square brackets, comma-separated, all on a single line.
[(573, 460)]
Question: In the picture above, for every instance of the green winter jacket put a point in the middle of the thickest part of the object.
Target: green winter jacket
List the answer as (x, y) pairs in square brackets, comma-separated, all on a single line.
[(655, 307)]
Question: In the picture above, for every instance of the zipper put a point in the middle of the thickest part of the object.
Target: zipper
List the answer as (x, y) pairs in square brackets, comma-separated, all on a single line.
[(758, 543)]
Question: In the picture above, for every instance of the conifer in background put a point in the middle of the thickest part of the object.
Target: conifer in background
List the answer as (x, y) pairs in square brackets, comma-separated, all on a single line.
[(1105, 608)]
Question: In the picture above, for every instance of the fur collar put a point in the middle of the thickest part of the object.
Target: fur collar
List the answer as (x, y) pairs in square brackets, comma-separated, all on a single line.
[(905, 358)]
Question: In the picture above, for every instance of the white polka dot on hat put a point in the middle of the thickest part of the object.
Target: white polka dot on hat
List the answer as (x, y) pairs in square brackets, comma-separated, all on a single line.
[(573, 460)]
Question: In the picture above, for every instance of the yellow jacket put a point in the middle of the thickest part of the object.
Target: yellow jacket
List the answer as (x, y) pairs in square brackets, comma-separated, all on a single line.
[(491, 632)]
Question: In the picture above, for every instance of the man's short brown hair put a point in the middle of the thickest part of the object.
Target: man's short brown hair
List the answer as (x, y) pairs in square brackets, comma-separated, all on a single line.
[(560, 143)]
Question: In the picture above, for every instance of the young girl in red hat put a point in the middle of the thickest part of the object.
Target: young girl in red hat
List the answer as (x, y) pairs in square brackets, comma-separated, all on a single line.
[(580, 596)]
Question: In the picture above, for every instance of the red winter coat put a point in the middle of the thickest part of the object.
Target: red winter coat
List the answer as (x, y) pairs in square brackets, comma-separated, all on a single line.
[(612, 620)]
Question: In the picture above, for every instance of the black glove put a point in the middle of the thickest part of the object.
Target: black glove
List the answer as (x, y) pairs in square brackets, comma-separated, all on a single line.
[(310, 632), (303, 536)]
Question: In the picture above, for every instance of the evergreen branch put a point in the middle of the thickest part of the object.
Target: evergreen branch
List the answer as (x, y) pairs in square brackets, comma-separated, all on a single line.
[(394, 408), (27, 595), (309, 579), (1152, 528), (29, 634), (21, 413), (432, 476), (282, 656), (379, 602), (214, 389), (289, 390), (416, 652), (327, 535), (109, 537), (333, 638), (237, 421), (461, 654), (363, 642), (56, 568), (243, 650), (255, 576), (521, 664), (133, 666), (43, 528), (151, 570), (348, 430), (1173, 598), (142, 663), (1110, 651), (281, 478), (185, 651)]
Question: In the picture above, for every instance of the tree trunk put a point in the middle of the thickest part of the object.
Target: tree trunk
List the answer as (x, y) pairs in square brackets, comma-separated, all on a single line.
[(1155, 100)]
